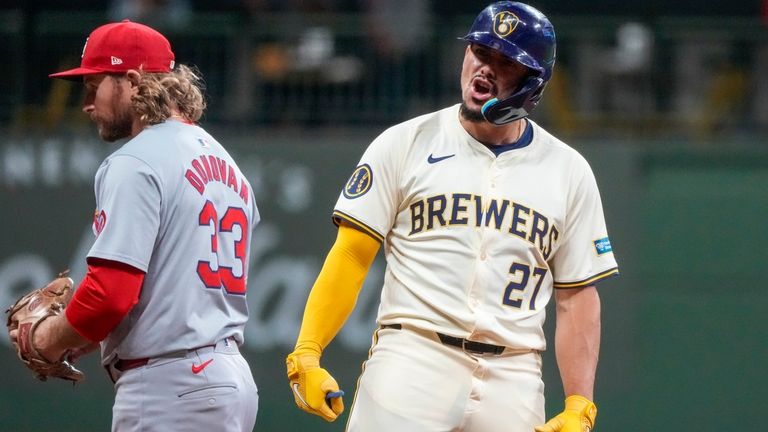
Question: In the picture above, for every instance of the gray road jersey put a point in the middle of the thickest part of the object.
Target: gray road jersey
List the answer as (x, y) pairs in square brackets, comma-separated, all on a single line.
[(173, 203)]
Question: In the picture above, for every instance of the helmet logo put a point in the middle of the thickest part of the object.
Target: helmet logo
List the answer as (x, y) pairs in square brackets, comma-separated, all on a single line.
[(504, 23)]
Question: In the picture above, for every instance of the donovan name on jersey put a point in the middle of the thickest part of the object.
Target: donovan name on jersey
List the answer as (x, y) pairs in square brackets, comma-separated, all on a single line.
[(207, 168)]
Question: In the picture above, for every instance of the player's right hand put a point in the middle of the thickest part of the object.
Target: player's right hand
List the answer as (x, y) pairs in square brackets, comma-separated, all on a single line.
[(314, 389)]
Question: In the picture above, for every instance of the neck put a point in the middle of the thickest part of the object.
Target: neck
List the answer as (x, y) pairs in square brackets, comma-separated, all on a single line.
[(490, 134), (137, 126), (176, 115)]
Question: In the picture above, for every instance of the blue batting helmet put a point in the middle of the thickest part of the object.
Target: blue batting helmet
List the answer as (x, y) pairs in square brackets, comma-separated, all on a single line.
[(524, 34)]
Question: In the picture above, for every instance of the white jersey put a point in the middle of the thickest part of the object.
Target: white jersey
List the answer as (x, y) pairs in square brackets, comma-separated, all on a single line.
[(173, 203), (475, 243)]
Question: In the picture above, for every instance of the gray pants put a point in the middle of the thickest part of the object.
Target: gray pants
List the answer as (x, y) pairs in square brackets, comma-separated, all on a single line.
[(167, 395)]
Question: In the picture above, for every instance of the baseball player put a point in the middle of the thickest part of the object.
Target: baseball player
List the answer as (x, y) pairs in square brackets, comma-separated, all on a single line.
[(165, 290), (483, 216)]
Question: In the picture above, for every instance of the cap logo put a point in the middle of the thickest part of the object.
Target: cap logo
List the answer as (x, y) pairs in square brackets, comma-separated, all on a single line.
[(504, 23), (116, 60)]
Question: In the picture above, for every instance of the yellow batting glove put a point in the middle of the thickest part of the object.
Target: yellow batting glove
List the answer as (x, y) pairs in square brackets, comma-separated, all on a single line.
[(578, 416), (314, 389)]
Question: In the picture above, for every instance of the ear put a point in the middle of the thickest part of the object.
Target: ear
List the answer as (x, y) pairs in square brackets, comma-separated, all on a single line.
[(134, 77)]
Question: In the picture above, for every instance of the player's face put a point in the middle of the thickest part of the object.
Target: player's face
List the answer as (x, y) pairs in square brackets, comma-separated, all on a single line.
[(486, 74), (108, 103)]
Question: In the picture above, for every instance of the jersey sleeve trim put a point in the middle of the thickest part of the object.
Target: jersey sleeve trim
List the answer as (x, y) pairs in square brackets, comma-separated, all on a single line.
[(340, 216), (119, 258), (589, 281)]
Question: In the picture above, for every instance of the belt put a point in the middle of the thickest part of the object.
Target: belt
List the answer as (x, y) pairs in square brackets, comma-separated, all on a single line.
[(118, 366), (123, 365), (471, 346), (468, 346)]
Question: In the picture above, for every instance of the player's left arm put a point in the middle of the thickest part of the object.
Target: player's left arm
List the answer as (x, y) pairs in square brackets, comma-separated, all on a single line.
[(577, 339), (577, 347)]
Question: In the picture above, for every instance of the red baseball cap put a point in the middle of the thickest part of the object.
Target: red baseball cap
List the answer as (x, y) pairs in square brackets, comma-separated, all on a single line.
[(118, 47)]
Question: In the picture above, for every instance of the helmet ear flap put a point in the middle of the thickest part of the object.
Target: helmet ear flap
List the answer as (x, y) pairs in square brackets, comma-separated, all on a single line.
[(516, 106)]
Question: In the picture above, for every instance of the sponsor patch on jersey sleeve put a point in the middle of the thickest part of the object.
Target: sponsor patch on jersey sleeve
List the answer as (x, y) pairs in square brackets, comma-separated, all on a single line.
[(359, 183), (603, 246)]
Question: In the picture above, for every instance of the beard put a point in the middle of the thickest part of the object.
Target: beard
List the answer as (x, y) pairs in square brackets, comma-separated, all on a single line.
[(470, 115), (121, 123), (117, 128)]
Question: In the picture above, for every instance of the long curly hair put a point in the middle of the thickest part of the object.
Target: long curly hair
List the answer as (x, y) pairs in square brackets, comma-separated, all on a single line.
[(181, 89)]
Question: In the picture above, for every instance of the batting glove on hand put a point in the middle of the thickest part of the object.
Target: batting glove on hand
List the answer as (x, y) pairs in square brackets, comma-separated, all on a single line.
[(578, 416), (314, 389)]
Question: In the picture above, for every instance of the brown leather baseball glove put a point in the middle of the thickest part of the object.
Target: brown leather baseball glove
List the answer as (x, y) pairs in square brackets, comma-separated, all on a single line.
[(27, 313)]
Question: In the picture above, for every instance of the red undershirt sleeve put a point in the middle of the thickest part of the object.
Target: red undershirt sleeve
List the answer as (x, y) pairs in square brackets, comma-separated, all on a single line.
[(108, 292)]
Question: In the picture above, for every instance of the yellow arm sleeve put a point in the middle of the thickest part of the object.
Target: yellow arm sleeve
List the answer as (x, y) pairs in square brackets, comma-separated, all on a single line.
[(335, 291)]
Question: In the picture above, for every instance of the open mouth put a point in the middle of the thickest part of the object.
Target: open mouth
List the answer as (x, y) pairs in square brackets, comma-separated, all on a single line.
[(482, 89)]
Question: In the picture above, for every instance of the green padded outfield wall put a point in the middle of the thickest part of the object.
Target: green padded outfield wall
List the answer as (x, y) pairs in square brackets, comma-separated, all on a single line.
[(685, 333)]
